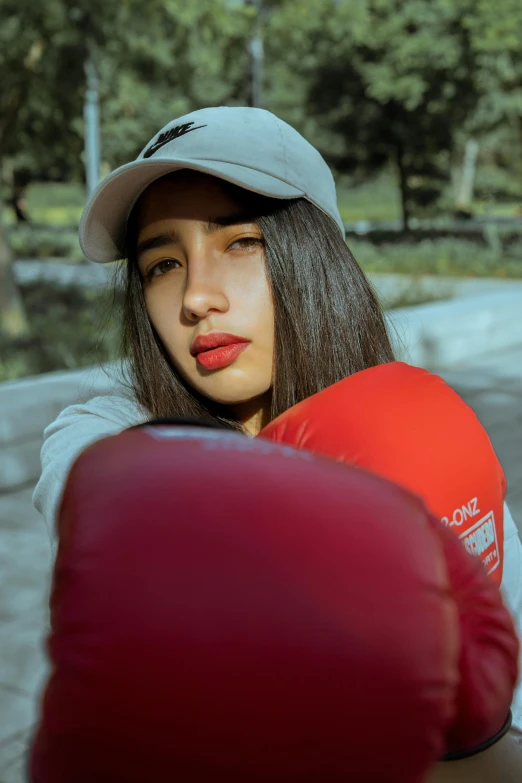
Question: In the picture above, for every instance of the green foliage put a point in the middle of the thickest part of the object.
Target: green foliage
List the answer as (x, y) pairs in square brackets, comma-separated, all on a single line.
[(371, 82), (69, 328), (153, 63), (495, 29), (390, 80), (42, 51), (400, 82), (30, 242), (58, 204), (452, 257), (187, 56), (376, 199)]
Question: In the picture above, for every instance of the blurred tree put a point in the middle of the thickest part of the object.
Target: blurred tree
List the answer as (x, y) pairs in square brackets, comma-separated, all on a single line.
[(180, 57), (370, 82), (21, 52), (389, 80), (154, 63), (41, 57), (186, 57), (495, 29)]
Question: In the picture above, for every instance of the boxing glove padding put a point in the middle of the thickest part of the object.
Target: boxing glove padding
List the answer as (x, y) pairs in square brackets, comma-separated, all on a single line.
[(408, 425), (227, 608), (489, 649)]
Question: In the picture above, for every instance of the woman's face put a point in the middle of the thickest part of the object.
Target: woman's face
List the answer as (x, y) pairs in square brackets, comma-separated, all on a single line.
[(202, 263)]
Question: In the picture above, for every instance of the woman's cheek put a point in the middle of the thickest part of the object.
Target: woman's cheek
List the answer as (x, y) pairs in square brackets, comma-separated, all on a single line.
[(161, 308)]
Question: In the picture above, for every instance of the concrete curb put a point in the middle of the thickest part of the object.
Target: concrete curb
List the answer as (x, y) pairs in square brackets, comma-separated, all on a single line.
[(393, 288), (390, 287), (443, 335), (438, 336), (28, 406)]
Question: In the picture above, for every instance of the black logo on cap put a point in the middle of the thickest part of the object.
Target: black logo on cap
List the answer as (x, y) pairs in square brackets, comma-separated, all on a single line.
[(173, 133)]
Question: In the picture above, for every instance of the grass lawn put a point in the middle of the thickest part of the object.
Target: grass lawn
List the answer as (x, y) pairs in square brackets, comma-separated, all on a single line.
[(62, 203), (53, 203), (55, 208), (451, 257), (56, 203), (378, 199)]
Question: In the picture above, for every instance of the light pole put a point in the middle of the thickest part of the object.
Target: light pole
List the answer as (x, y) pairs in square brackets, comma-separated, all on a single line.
[(256, 51), (91, 116)]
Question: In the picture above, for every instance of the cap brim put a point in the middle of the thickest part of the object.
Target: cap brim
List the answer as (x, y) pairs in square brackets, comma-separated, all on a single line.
[(104, 221)]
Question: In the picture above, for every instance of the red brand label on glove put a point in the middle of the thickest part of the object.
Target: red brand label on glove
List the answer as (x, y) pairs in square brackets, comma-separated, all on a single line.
[(481, 540)]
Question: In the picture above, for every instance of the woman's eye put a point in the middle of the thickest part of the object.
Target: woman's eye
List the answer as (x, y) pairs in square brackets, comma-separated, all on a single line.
[(246, 243), (162, 268)]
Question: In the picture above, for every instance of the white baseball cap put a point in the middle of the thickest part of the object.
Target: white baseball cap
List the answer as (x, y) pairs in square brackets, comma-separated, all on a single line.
[(251, 148)]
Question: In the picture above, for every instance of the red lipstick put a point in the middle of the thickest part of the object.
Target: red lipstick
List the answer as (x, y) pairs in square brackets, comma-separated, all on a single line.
[(217, 349)]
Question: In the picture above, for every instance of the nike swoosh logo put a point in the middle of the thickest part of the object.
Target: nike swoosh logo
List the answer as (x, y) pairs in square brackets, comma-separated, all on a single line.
[(170, 135)]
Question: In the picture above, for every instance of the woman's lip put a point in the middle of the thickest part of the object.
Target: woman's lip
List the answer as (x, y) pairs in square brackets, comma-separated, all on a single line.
[(216, 358), (207, 342)]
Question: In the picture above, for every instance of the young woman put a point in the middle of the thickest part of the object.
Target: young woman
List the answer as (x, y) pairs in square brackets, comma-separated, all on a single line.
[(241, 296)]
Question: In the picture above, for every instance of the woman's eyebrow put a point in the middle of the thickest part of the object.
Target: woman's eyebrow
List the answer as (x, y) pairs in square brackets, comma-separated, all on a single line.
[(172, 237), (160, 240), (215, 224)]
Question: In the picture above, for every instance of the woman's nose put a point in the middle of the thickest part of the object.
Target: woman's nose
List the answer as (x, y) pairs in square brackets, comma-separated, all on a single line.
[(204, 291)]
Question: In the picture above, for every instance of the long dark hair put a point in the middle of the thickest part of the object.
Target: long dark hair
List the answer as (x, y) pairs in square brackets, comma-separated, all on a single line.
[(328, 321)]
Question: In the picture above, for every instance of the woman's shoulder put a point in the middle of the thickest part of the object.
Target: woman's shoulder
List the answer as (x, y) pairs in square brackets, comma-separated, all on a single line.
[(121, 410), (69, 434)]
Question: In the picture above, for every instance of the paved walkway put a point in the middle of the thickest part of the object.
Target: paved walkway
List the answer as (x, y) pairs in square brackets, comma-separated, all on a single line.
[(493, 389), (25, 558)]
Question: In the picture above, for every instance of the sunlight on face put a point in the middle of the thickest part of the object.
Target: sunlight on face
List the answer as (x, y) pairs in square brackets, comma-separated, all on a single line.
[(202, 262)]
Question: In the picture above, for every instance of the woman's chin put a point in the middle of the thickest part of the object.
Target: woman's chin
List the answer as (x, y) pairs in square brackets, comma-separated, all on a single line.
[(230, 391)]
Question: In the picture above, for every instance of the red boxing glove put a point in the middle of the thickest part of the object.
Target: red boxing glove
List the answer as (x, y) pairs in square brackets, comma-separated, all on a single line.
[(230, 609), (408, 425)]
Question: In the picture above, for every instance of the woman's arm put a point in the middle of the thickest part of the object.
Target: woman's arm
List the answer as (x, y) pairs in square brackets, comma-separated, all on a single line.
[(502, 763), (511, 589), (64, 440)]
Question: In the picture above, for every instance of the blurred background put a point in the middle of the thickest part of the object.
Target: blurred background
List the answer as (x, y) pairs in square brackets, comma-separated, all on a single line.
[(416, 105)]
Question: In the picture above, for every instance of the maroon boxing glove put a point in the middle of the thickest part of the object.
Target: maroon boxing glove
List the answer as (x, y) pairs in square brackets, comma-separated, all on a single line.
[(489, 649), (230, 609), (406, 424)]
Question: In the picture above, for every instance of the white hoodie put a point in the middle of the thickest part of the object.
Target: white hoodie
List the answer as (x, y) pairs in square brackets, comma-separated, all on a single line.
[(80, 425)]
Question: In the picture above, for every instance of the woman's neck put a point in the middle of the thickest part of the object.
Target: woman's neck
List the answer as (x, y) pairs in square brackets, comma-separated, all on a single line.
[(255, 414)]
